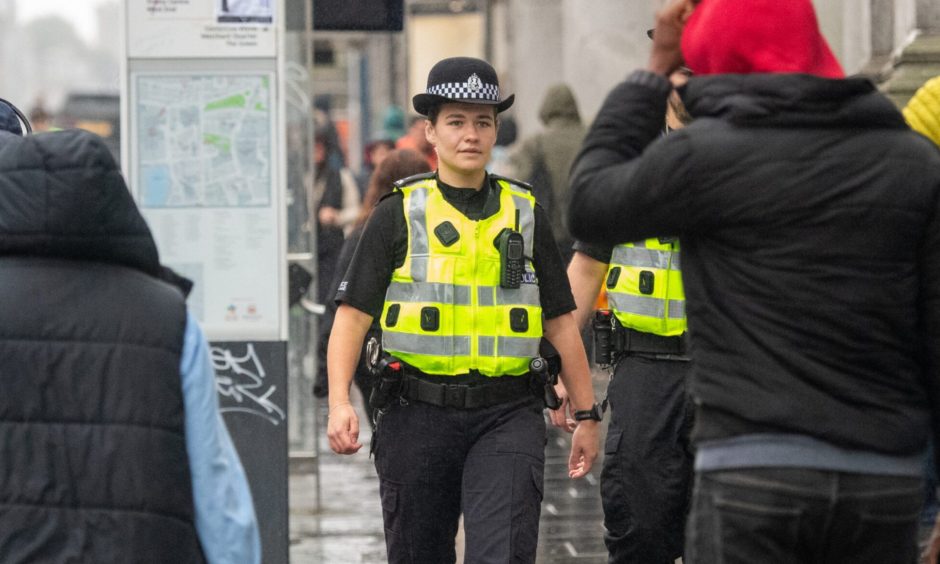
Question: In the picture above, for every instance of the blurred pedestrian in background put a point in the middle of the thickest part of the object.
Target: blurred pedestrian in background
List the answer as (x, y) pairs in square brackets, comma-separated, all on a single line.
[(809, 218), (922, 111), (415, 140), (328, 133), (393, 123), (374, 153), (336, 201), (114, 447), (397, 164), (505, 139), (39, 117), (544, 159)]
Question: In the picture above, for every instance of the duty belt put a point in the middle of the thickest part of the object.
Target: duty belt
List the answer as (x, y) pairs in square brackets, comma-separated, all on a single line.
[(639, 342), (466, 396)]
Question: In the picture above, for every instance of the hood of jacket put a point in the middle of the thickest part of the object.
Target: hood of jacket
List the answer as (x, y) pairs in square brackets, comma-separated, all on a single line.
[(559, 103), (790, 100), (62, 196)]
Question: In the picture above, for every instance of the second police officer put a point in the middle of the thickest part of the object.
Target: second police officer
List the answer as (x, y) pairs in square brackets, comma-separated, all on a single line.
[(462, 270), (647, 476)]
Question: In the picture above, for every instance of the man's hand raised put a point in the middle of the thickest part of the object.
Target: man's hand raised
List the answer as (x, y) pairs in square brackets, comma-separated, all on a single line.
[(666, 56)]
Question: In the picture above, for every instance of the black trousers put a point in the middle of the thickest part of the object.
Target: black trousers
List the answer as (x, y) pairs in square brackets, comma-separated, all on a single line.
[(647, 476), (803, 516), (434, 463)]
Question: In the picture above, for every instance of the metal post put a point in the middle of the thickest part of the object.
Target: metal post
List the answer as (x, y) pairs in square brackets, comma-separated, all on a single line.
[(314, 325)]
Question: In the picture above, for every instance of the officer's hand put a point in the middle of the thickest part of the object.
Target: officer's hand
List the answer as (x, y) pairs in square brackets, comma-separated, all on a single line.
[(932, 550), (343, 429), (559, 417), (584, 446)]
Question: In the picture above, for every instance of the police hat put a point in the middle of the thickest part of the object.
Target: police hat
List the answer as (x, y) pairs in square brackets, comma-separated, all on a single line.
[(462, 79)]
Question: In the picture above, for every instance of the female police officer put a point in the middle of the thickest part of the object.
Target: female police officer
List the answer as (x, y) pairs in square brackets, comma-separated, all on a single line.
[(462, 268)]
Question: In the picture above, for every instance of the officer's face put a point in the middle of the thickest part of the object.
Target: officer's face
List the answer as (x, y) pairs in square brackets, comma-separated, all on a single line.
[(464, 135)]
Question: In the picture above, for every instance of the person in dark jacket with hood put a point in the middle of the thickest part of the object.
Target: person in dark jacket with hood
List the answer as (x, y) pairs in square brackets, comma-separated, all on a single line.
[(809, 218), (113, 448), (544, 159)]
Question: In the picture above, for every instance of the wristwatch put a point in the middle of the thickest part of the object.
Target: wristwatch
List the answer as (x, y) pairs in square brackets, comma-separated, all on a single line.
[(596, 413)]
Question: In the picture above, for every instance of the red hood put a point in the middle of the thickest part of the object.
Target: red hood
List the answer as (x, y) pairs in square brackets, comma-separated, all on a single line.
[(757, 36)]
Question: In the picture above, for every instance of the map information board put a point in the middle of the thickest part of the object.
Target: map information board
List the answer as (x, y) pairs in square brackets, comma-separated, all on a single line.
[(204, 171), (204, 141)]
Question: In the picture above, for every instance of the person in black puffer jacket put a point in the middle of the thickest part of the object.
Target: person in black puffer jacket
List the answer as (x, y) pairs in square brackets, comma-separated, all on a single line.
[(809, 218), (96, 411)]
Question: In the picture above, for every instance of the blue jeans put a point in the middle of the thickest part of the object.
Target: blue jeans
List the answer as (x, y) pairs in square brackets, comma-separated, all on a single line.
[(800, 515)]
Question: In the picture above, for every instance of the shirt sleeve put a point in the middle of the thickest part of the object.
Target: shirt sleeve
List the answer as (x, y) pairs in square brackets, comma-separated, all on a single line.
[(381, 249), (225, 515), (597, 251), (554, 288), (629, 182)]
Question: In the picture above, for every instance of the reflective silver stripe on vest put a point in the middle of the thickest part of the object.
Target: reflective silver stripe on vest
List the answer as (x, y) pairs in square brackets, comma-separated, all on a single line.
[(417, 219), (427, 345), (643, 305), (676, 309), (526, 294), (639, 305), (524, 347), (526, 220), (643, 258), (435, 292)]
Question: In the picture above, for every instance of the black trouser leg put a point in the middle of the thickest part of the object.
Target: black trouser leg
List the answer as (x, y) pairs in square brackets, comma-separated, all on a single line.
[(647, 474)]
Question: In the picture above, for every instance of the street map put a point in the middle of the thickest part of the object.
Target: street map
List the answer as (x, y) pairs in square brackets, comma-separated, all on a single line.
[(204, 141)]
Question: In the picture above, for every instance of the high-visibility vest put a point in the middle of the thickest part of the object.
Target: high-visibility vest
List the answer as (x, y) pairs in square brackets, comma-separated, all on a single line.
[(445, 312), (644, 287)]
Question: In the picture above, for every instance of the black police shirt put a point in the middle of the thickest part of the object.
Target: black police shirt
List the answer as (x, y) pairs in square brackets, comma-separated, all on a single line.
[(598, 252), (384, 245)]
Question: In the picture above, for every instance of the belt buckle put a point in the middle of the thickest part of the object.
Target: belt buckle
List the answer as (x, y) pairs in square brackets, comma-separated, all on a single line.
[(455, 395)]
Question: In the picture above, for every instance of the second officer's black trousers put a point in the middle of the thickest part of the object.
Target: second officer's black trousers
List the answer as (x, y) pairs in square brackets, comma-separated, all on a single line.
[(647, 476)]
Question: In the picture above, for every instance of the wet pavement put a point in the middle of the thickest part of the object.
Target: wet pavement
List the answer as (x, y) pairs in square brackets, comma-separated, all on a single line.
[(338, 519), (344, 526)]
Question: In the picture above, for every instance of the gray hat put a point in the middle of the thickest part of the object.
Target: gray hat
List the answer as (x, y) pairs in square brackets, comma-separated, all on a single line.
[(11, 118), (462, 79)]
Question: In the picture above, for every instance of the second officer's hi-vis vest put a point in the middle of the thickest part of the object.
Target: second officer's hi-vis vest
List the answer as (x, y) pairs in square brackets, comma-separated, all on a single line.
[(445, 312), (644, 287)]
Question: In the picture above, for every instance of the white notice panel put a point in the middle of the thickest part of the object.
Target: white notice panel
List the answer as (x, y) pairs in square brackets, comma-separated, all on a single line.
[(201, 28), (203, 168)]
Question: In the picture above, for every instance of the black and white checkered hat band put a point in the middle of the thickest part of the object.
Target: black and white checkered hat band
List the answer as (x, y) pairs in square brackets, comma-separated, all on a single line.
[(462, 91)]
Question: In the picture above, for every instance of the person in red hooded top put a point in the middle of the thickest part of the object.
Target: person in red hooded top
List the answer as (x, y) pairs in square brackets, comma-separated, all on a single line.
[(809, 219)]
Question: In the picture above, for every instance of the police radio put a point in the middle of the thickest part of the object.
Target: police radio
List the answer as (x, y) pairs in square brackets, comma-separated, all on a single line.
[(511, 259), (511, 247)]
